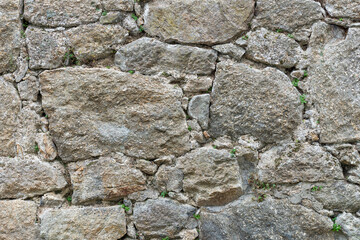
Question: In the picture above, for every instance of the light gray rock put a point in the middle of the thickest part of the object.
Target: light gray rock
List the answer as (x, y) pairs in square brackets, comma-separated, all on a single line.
[(29, 88), (262, 103), (161, 217), (28, 177), (143, 195), (9, 111), (273, 48), (194, 84), (100, 223), (46, 47), (333, 89), (189, 234), (287, 15), (9, 35), (124, 5), (113, 17), (270, 219), (230, 49), (18, 220), (211, 177), (47, 148), (104, 111), (95, 41), (67, 13), (150, 56), (343, 8), (350, 225), (194, 21), (298, 162), (106, 179), (130, 24), (199, 109), (350, 159), (146, 166), (169, 179)]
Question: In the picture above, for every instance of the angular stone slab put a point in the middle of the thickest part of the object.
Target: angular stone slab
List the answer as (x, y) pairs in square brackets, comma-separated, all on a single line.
[(343, 8), (196, 21), (103, 111)]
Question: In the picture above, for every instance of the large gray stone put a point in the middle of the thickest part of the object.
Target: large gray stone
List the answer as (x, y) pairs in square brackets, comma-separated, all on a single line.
[(18, 220), (211, 177), (28, 177), (150, 56), (9, 35), (103, 111), (333, 78), (197, 21), (104, 179), (9, 110), (270, 219), (262, 103), (199, 109), (298, 162), (100, 223), (350, 225), (66, 13), (343, 8), (161, 217), (287, 15)]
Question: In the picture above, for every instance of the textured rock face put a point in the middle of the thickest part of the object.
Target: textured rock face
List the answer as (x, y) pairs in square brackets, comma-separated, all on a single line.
[(211, 176), (250, 101), (83, 223), (150, 56), (343, 8), (22, 178), (18, 220), (271, 219), (9, 111), (68, 13), (331, 88), (146, 121), (108, 179), (9, 35), (199, 109), (124, 5), (185, 21), (161, 217), (350, 225)]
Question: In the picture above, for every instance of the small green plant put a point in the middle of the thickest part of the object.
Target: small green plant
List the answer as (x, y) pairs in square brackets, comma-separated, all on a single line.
[(163, 194), (166, 238), (306, 73), (295, 82), (214, 146), (36, 148), (318, 121), (336, 227), (341, 19), (108, 67), (232, 152), (131, 71), (23, 34), (316, 188), (209, 90), (303, 99), (141, 28), (104, 13), (69, 199), (261, 198), (134, 17), (124, 207), (189, 128), (290, 35), (279, 30), (46, 116), (246, 37), (197, 216)]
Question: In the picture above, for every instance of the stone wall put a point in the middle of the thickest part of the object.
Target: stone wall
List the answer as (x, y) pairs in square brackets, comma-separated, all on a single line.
[(180, 119)]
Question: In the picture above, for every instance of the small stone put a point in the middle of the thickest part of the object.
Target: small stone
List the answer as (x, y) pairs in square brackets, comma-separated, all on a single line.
[(206, 135), (29, 88), (231, 50), (169, 179), (83, 223), (195, 84), (350, 225), (52, 199), (223, 142), (166, 160), (113, 17), (199, 109), (250, 142), (299, 74), (47, 148), (146, 166), (141, 196), (130, 24), (188, 234)]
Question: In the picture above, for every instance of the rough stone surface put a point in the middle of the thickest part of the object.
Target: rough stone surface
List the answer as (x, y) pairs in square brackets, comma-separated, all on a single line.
[(108, 179), (143, 116), (29, 88), (18, 220), (124, 5), (22, 178), (211, 177), (95, 41), (273, 48), (186, 21), (169, 179), (287, 15), (150, 56), (68, 13), (230, 49), (83, 223), (343, 8), (350, 225), (270, 219), (147, 167), (47, 148), (161, 217), (199, 109), (262, 103)]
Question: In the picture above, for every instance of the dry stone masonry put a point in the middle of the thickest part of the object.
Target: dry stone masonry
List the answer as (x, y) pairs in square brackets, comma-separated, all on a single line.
[(180, 119)]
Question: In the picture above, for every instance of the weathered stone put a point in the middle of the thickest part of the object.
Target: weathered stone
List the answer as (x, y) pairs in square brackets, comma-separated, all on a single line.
[(262, 103), (18, 220), (108, 179), (94, 41), (211, 176), (273, 48), (199, 109), (100, 223), (9, 35), (169, 179), (350, 225), (297, 162), (150, 56), (68, 13), (124, 5), (29, 88), (143, 195), (161, 217), (103, 111), (22, 178), (195, 83), (231, 50), (349, 157), (270, 219), (47, 48), (113, 17), (189, 234), (130, 24), (47, 148), (9, 110), (194, 21), (287, 15), (146, 166), (343, 8), (52, 199), (332, 81)]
